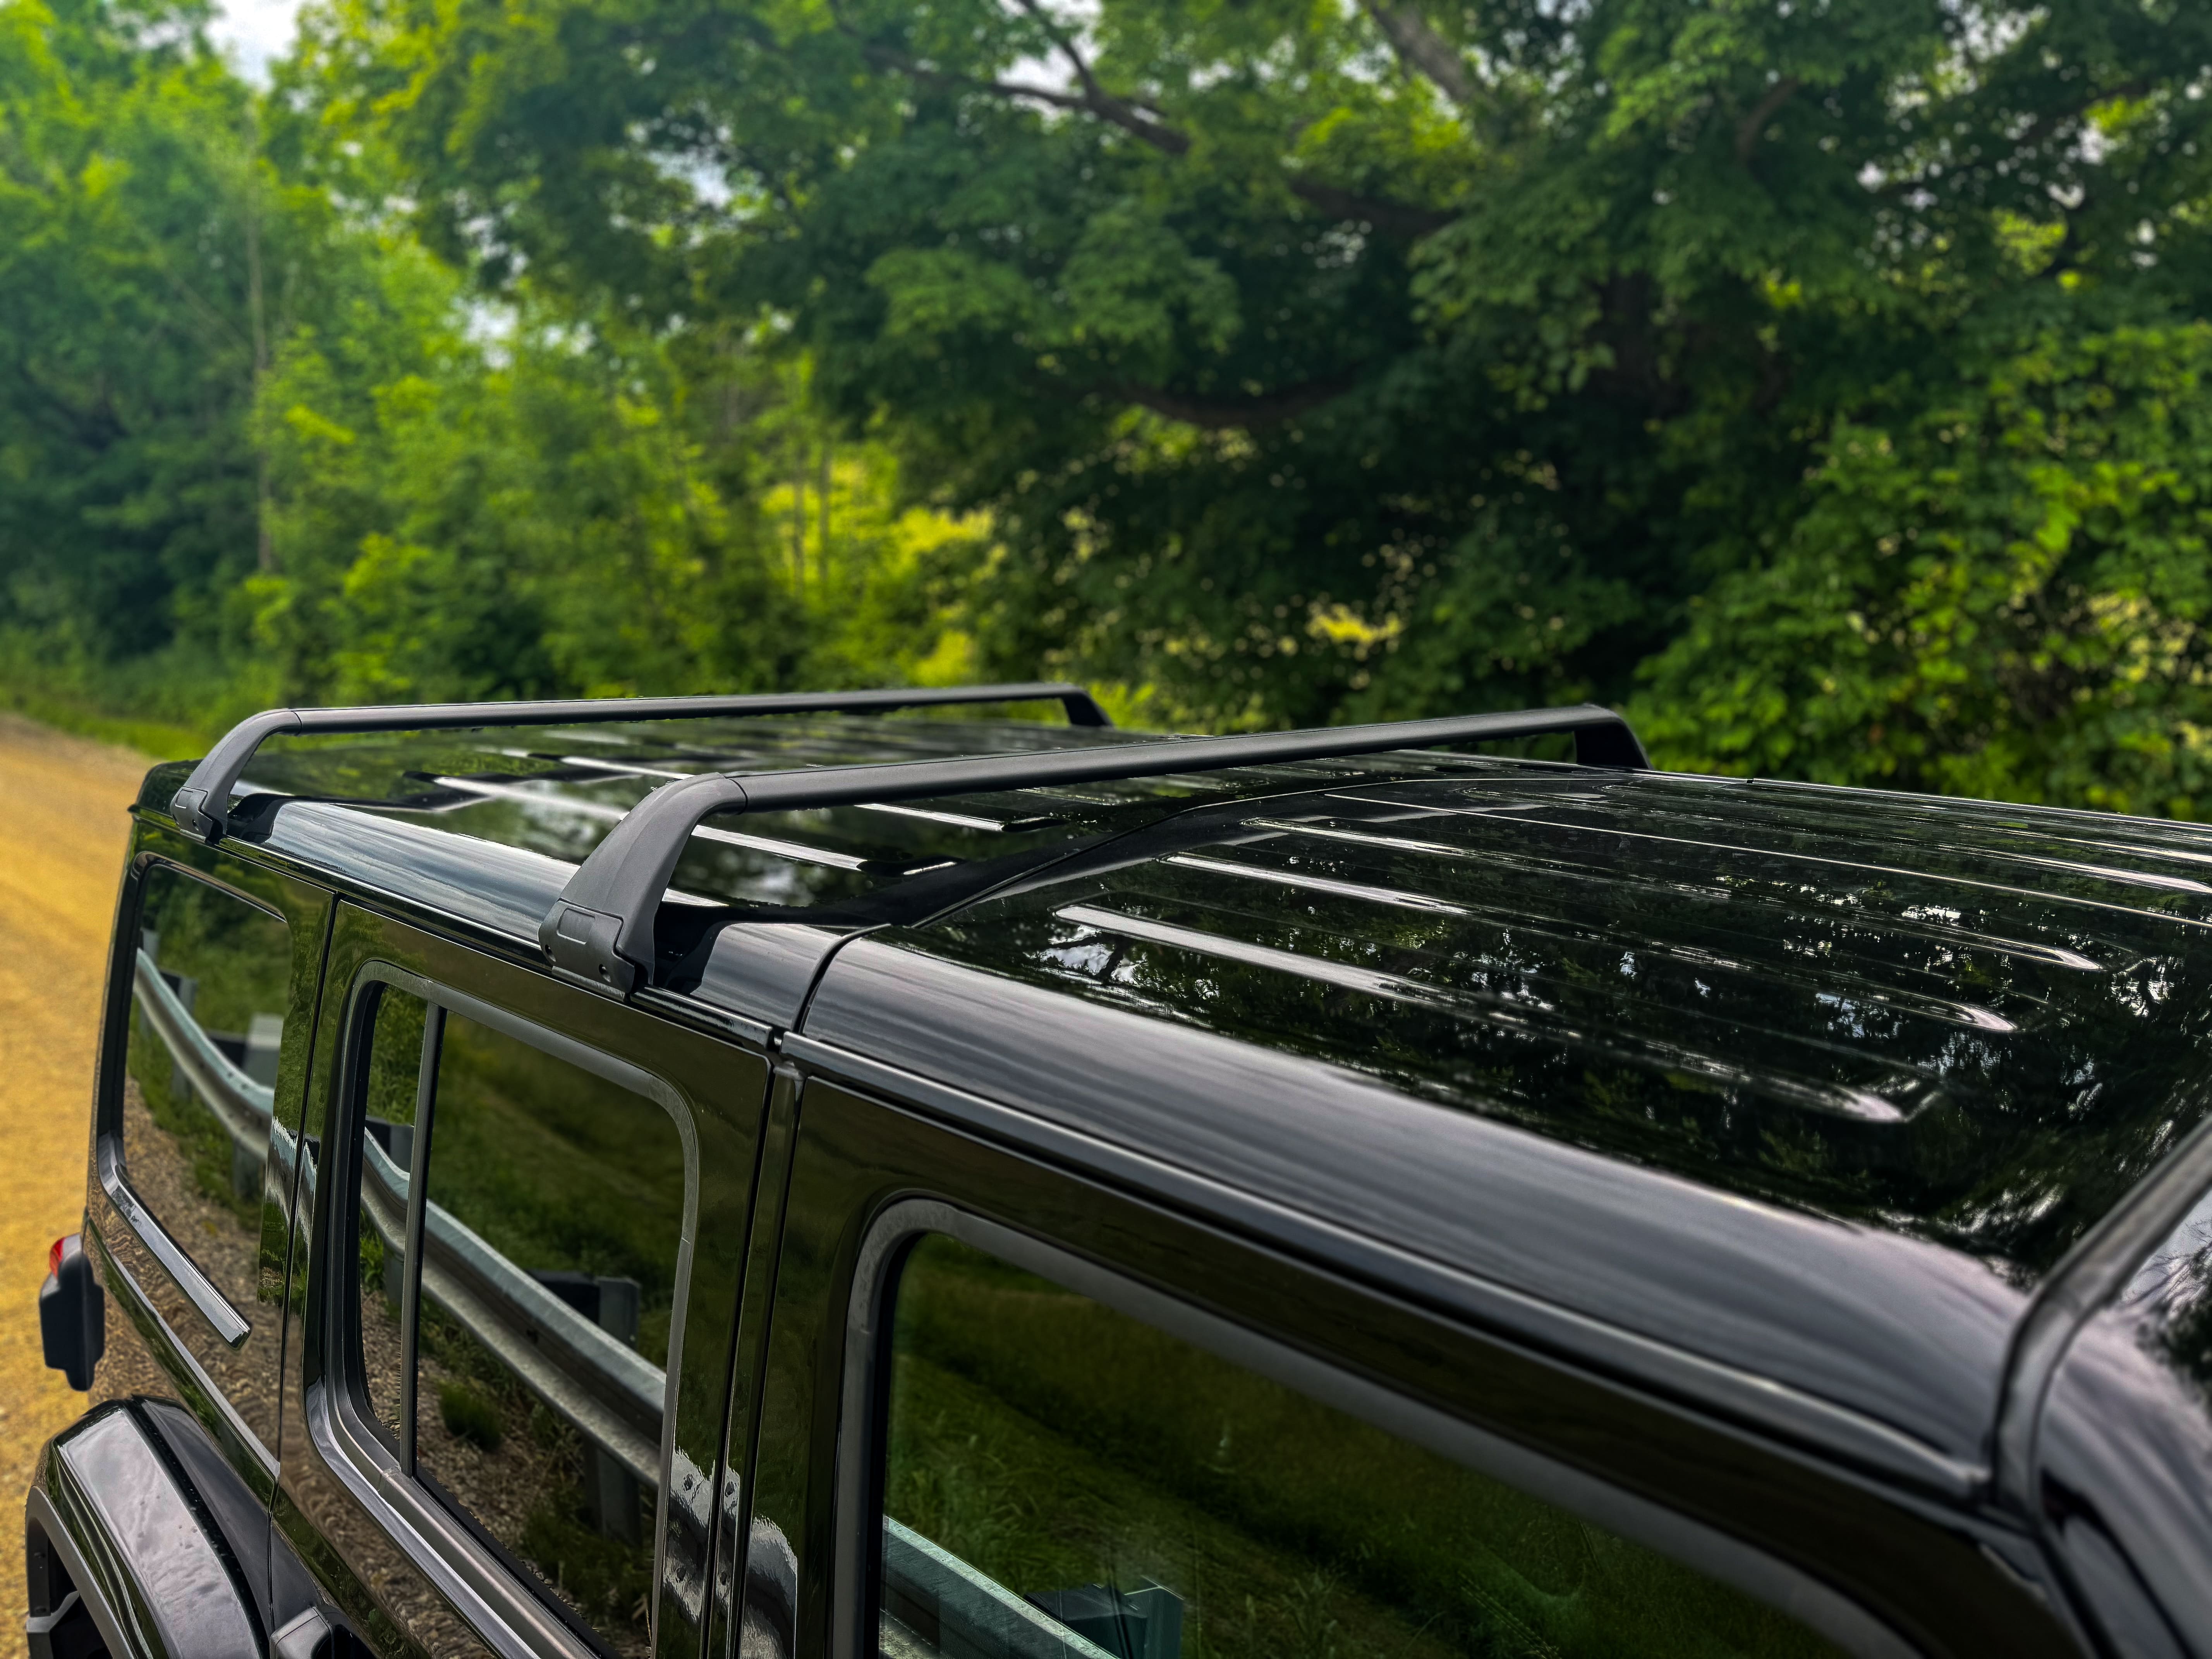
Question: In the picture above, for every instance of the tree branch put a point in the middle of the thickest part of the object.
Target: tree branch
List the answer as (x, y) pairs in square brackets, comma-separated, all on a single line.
[(1092, 102), (1423, 51), (1394, 218), (1752, 127), (1059, 38)]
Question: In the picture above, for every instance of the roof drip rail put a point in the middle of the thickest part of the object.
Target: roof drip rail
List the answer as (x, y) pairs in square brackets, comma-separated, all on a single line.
[(202, 807), (602, 927)]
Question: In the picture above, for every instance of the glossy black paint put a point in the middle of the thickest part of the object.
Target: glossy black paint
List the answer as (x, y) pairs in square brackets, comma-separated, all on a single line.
[(171, 1331), (1727, 1140), (1977, 1025), (1924, 1572), (2121, 1458), (749, 1589), (400, 1567), (137, 1546), (1888, 1348), (496, 863)]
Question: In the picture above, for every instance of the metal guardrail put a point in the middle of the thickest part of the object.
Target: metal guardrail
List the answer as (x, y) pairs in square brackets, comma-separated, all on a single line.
[(609, 1392), (954, 1609), (243, 1107)]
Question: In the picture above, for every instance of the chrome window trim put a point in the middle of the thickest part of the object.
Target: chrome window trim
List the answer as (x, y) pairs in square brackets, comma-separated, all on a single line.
[(181, 1352)]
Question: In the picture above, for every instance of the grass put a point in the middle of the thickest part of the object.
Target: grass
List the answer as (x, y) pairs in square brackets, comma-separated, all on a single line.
[(483, 1404), (1053, 1442), (469, 1416), (557, 1168), (66, 711)]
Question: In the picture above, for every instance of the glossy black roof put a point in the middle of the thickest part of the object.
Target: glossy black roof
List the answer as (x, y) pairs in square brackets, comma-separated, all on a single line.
[(1815, 1083), (1973, 1024)]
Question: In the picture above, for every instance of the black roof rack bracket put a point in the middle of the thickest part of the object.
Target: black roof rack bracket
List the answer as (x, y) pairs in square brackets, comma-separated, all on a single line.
[(601, 929)]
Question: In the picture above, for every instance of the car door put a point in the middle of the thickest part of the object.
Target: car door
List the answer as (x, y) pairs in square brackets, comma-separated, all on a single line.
[(524, 1209), (1008, 1410), (212, 995)]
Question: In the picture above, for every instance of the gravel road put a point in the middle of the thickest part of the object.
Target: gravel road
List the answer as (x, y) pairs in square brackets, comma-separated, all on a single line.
[(59, 870)]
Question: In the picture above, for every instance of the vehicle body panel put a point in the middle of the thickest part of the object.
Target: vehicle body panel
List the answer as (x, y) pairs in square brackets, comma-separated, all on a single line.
[(1716, 1144), (339, 1502)]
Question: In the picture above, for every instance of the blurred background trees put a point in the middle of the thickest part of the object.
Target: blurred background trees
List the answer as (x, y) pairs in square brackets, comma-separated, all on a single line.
[(1822, 378)]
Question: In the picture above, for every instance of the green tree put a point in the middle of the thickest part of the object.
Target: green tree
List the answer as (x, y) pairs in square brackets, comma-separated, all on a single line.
[(1330, 361), (257, 444), (557, 508), (131, 241), (2006, 595)]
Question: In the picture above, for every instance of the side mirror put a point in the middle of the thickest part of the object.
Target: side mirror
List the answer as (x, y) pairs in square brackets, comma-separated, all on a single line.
[(72, 1313)]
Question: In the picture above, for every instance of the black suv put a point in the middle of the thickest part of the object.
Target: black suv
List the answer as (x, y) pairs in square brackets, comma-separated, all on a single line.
[(777, 1178)]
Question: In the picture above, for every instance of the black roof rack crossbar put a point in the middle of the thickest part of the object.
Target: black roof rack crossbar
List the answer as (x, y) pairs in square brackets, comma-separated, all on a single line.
[(602, 927), (202, 807)]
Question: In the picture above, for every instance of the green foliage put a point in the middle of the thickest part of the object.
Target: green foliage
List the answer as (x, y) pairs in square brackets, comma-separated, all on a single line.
[(259, 446), (2006, 595), (469, 1416), (1267, 363), (1343, 362), (1050, 1441), (128, 187), (609, 1582)]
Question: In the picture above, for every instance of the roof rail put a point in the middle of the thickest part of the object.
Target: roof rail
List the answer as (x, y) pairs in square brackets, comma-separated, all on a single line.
[(602, 927), (202, 807)]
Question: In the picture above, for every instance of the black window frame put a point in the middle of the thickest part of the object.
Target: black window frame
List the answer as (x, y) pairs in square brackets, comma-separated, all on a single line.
[(864, 1399), (501, 1597)]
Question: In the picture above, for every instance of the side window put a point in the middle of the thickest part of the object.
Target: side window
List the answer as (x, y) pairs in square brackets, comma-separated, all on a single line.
[(1061, 1480), (390, 1097), (207, 1028), (520, 1226)]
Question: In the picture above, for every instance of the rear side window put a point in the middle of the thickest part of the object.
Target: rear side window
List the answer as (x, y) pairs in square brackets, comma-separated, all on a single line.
[(1063, 1479), (386, 1164), (519, 1224), (210, 984)]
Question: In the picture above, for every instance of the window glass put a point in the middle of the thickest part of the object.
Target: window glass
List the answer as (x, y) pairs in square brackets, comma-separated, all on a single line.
[(554, 1211), (207, 1027), (1064, 1480), (387, 1161)]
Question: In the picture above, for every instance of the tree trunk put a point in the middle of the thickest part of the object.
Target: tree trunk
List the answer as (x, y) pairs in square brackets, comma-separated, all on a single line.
[(265, 553), (822, 560), (798, 512)]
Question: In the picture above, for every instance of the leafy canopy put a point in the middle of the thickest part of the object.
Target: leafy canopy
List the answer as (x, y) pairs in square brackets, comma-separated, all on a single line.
[(1342, 359)]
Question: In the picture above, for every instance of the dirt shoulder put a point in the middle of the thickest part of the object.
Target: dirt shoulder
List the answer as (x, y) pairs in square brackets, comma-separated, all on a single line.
[(59, 872)]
